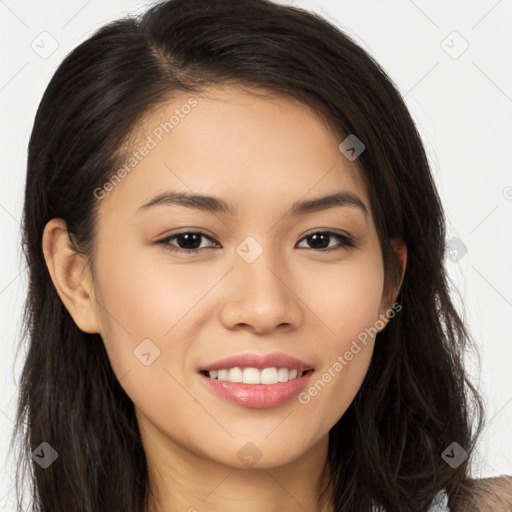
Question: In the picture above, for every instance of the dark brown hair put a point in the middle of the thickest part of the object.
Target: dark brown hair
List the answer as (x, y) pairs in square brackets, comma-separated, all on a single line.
[(415, 400)]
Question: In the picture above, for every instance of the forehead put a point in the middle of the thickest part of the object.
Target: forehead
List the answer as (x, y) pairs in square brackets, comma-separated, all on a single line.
[(253, 151)]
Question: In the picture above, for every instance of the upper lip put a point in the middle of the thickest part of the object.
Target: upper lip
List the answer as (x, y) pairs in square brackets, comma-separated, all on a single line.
[(260, 361)]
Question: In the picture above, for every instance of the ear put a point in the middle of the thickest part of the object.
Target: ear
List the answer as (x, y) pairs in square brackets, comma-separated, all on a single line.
[(391, 290), (71, 276)]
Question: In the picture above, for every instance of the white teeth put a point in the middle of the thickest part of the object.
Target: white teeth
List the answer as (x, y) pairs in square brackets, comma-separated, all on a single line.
[(252, 376), (269, 376), (235, 375), (222, 374), (283, 374), (255, 376)]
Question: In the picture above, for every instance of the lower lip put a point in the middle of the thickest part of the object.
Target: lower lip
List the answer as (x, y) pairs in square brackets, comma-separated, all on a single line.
[(258, 396)]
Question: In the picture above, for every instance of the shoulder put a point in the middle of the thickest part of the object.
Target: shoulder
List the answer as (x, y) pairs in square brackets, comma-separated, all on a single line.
[(487, 494)]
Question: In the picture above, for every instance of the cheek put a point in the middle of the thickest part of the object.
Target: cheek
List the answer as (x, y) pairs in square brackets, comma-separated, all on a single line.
[(141, 302), (350, 308), (332, 389), (143, 320), (347, 300), (151, 294), (345, 362)]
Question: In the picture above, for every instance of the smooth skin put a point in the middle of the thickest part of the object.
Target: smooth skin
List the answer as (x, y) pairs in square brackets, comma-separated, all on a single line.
[(310, 301)]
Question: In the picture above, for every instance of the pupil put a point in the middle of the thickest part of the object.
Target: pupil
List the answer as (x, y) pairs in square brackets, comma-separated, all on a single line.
[(188, 237), (316, 237)]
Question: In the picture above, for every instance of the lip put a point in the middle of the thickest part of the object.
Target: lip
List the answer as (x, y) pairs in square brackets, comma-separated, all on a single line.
[(257, 396), (260, 361)]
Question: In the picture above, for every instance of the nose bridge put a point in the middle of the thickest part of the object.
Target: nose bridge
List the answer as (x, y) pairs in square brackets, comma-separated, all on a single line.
[(261, 295), (261, 273), (264, 277)]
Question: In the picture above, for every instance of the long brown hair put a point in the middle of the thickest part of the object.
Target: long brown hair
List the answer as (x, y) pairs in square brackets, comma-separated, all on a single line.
[(415, 401)]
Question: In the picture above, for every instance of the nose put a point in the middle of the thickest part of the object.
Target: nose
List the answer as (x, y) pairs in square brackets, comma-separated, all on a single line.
[(261, 296)]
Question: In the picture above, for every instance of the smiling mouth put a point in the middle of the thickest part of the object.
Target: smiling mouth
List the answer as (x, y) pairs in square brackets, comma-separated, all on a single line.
[(250, 375)]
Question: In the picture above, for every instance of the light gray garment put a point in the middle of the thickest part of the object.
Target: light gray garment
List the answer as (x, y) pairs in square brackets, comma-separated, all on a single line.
[(440, 503)]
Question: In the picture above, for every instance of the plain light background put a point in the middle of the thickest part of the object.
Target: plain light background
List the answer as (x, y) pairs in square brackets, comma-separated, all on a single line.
[(452, 63)]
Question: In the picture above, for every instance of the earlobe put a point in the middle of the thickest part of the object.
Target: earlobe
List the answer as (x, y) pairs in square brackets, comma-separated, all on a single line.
[(70, 275)]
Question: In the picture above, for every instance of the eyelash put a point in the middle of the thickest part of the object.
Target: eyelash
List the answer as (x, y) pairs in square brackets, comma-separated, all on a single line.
[(346, 241)]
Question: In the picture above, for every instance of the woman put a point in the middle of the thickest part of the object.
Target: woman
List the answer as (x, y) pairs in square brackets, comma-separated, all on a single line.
[(257, 368)]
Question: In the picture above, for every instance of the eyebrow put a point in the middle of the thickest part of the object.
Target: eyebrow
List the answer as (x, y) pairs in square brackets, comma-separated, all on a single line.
[(217, 205)]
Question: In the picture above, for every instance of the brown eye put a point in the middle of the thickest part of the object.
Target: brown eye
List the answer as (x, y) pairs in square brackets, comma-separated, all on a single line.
[(188, 241), (321, 239)]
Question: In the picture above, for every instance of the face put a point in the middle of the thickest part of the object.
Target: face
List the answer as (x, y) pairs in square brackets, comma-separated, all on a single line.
[(182, 287)]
